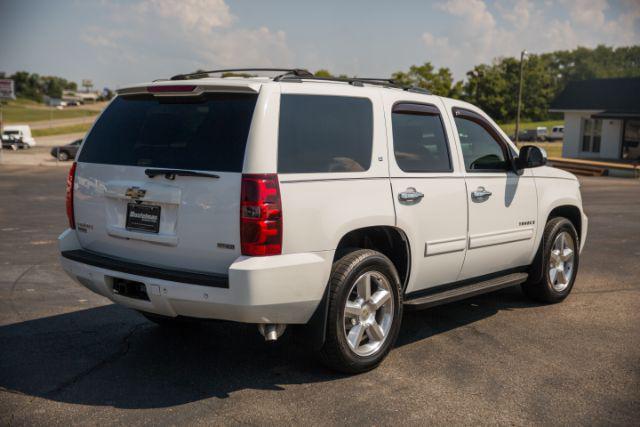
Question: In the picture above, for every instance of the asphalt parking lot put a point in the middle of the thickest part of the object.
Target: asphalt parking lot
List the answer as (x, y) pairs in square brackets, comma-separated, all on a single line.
[(68, 356)]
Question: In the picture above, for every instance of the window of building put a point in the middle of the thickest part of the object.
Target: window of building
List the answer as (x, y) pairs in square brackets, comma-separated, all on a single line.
[(631, 141), (591, 135)]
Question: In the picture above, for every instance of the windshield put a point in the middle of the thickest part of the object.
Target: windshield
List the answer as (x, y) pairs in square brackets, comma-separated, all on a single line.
[(197, 133)]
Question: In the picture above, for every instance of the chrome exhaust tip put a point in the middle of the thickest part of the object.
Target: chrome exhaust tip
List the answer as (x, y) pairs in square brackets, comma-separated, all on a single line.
[(271, 331)]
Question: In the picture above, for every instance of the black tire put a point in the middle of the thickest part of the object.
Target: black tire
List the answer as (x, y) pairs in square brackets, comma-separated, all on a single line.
[(63, 156), (336, 352), (539, 286)]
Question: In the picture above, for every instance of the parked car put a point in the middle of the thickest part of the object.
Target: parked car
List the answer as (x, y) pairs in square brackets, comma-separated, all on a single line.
[(537, 134), (11, 141), (557, 133), (21, 132), (327, 207), (66, 152)]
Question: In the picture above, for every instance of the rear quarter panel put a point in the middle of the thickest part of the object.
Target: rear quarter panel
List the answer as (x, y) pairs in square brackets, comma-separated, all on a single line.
[(320, 208)]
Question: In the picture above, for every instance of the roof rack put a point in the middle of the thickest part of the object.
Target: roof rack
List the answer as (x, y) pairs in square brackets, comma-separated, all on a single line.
[(297, 74)]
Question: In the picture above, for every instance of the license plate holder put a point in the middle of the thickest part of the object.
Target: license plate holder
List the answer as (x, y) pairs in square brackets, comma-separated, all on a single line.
[(142, 217)]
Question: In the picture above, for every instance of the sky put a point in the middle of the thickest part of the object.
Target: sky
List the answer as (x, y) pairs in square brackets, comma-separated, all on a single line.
[(115, 43)]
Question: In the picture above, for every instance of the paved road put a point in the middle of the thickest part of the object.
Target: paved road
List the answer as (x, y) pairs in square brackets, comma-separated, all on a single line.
[(69, 357)]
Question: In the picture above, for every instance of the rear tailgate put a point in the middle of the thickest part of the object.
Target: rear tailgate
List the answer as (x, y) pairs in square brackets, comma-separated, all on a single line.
[(170, 220)]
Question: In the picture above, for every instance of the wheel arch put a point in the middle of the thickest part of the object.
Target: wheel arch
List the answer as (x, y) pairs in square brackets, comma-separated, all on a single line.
[(571, 212), (564, 210), (388, 240)]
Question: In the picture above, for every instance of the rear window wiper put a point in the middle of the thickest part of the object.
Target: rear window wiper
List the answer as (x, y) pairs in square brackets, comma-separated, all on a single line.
[(171, 173)]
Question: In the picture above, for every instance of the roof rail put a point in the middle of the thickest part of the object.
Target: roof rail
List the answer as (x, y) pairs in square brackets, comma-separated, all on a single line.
[(297, 74), (355, 81), (201, 74)]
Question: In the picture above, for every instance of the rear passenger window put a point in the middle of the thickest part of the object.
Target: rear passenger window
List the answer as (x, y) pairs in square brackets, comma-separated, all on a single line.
[(419, 140), (324, 134)]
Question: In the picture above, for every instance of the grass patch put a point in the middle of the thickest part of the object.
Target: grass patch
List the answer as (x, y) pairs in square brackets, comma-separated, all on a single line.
[(510, 128), (22, 110), (61, 130)]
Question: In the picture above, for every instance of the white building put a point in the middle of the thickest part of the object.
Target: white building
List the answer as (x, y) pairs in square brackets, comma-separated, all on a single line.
[(601, 119)]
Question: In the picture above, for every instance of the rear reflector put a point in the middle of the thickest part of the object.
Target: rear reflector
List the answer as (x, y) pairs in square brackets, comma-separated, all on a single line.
[(260, 215), (171, 88), (69, 198)]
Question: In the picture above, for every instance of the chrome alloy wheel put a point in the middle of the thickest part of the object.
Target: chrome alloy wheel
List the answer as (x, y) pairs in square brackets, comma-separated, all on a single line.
[(561, 261), (368, 313)]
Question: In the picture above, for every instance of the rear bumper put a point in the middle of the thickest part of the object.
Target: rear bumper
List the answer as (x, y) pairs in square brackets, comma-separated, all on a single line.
[(276, 289)]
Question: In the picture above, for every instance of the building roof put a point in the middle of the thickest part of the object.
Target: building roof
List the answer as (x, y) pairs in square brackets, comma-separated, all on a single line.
[(614, 95)]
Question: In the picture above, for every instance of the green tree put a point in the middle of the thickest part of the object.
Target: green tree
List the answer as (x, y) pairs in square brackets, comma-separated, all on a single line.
[(323, 73), (425, 76)]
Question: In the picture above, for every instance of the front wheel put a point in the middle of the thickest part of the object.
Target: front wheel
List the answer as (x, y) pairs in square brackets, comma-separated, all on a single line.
[(556, 265), (365, 311)]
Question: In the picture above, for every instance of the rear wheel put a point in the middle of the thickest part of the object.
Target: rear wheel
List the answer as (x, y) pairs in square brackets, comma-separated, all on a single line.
[(365, 311), (556, 265)]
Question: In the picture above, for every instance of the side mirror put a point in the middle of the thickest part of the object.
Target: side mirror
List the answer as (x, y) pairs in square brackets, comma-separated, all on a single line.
[(531, 156)]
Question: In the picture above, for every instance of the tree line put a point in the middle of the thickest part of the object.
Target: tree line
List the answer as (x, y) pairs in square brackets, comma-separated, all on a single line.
[(35, 87), (494, 87)]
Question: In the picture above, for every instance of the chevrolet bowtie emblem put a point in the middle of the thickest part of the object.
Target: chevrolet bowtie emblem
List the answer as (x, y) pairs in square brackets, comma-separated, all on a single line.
[(135, 192)]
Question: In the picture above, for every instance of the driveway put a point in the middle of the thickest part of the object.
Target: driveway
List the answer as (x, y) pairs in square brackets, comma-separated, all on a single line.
[(68, 356)]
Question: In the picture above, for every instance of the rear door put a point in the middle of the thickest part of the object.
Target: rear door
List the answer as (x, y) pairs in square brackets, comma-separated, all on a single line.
[(428, 188), (169, 220)]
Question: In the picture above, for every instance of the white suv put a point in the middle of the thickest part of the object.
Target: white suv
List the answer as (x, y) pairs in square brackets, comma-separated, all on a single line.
[(326, 204)]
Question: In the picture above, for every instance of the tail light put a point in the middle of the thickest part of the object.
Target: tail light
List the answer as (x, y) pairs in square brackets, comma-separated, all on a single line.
[(70, 181), (260, 215)]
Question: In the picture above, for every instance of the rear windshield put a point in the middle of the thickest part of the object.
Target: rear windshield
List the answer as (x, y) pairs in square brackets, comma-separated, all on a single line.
[(197, 133)]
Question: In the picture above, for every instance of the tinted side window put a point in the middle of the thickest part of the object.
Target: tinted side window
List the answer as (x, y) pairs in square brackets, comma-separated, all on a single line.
[(479, 148), (419, 140), (201, 133), (324, 134)]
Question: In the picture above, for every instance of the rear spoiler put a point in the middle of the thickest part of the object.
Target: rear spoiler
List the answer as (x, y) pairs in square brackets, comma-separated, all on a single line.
[(187, 88)]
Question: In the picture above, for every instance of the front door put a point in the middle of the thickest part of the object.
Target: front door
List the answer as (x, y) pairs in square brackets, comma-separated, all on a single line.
[(502, 204), (428, 188)]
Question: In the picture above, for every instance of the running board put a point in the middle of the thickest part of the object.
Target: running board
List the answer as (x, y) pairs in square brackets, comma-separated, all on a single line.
[(465, 291)]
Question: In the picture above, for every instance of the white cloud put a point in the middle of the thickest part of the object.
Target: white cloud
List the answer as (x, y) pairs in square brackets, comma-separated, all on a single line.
[(179, 36), (482, 33), (199, 15)]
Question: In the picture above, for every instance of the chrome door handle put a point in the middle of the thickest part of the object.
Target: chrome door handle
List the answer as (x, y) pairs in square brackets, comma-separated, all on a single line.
[(480, 195), (410, 195)]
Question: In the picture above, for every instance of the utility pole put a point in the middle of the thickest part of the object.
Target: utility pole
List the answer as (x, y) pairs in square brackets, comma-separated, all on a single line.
[(522, 55)]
